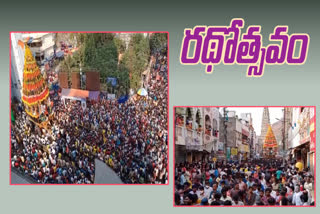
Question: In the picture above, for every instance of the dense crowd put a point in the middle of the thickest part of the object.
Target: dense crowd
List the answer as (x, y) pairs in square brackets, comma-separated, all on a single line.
[(267, 183), (129, 137)]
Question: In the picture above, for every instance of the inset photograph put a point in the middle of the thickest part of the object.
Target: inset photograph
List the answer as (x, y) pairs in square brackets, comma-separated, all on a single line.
[(244, 156), (89, 108)]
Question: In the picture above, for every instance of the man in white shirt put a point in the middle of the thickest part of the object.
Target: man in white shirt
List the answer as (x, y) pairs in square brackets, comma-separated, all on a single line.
[(207, 189), (309, 187), (296, 197)]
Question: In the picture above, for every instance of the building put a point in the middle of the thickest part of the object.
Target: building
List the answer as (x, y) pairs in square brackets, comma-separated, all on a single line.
[(255, 146), (312, 150), (211, 143), (230, 135), (42, 45), (248, 134), (236, 135), (197, 134), (17, 65), (244, 148), (301, 137)]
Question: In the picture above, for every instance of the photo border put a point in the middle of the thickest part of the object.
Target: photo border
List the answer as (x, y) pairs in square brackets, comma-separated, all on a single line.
[(209, 206), (168, 141)]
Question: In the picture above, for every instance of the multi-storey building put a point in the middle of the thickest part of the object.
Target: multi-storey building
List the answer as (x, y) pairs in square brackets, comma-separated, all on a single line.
[(301, 136), (17, 64), (196, 134), (236, 133), (41, 45)]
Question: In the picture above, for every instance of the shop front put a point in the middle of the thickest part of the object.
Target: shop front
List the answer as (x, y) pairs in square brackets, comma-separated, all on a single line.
[(244, 152), (312, 142), (301, 153), (195, 156), (234, 154), (194, 148)]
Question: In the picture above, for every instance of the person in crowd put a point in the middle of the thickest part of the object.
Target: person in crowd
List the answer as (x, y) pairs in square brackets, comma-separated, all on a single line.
[(259, 183), (131, 138)]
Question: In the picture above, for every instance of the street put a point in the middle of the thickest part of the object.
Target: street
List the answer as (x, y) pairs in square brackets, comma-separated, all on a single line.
[(244, 156), (104, 174)]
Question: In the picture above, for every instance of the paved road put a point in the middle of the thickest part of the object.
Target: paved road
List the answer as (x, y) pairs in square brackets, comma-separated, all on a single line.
[(104, 174), (17, 178)]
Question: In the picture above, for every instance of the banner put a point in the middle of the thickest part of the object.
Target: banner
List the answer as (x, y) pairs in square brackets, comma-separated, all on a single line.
[(111, 96), (234, 151), (228, 153), (312, 132)]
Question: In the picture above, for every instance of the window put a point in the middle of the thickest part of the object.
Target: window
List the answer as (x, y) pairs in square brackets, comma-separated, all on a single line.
[(198, 119), (189, 119), (208, 126), (215, 131)]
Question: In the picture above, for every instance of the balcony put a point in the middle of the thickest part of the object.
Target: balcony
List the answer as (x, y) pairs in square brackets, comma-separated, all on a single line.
[(41, 49), (180, 135), (194, 140), (190, 138)]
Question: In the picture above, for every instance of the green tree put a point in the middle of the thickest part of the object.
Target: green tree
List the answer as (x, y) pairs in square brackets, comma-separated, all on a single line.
[(136, 58), (69, 64), (100, 53), (158, 41), (121, 46)]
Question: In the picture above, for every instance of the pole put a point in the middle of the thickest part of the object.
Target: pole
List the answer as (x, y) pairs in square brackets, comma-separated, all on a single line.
[(225, 131), (284, 137)]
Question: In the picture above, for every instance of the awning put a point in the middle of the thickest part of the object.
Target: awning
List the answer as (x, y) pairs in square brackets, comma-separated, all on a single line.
[(74, 94)]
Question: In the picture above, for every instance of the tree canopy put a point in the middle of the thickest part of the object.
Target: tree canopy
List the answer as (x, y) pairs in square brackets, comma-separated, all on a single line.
[(136, 58), (158, 41), (100, 52)]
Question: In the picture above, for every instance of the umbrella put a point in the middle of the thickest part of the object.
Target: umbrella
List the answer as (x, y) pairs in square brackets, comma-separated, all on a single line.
[(142, 92)]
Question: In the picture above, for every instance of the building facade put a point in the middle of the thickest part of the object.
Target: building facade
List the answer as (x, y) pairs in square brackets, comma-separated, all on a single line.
[(17, 65), (301, 137), (42, 45), (196, 134), (238, 135)]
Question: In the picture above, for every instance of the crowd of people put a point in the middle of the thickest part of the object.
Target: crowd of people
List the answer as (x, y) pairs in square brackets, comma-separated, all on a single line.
[(266, 183), (130, 137)]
